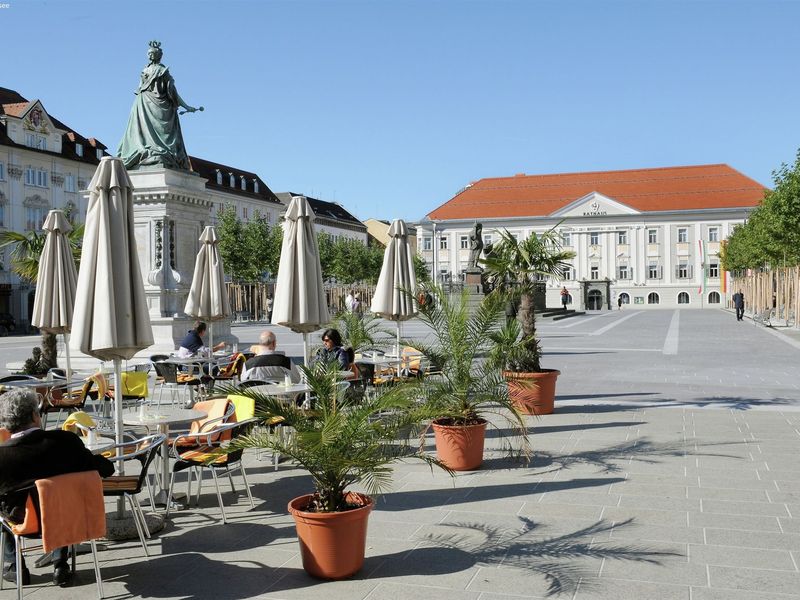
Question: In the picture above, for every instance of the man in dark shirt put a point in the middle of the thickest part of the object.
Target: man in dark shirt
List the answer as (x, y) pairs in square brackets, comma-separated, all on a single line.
[(192, 344), (30, 454)]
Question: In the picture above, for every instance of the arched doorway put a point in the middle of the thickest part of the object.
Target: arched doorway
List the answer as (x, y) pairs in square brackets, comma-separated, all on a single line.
[(626, 299), (713, 298), (595, 300)]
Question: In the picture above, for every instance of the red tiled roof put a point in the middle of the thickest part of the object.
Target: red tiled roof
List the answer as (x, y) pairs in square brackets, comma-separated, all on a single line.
[(16, 109), (668, 188)]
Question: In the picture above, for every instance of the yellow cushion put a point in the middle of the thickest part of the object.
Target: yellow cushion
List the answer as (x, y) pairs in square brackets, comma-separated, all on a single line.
[(245, 407), (134, 384)]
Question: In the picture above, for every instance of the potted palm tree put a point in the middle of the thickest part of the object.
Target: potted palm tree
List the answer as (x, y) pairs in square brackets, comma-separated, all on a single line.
[(340, 443), (467, 386), (513, 269)]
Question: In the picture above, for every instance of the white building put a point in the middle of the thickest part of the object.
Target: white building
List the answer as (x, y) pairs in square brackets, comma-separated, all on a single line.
[(331, 218), (650, 237), (44, 164)]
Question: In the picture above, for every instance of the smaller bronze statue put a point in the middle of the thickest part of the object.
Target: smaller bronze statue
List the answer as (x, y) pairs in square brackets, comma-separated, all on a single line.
[(475, 247)]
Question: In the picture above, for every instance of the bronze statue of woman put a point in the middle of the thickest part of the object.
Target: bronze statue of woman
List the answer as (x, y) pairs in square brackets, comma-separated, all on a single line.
[(153, 136)]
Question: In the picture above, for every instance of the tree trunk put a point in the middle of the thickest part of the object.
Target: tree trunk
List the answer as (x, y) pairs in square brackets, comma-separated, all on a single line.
[(49, 351), (527, 319)]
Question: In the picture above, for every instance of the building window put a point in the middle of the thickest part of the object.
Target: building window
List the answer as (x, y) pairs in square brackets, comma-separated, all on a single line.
[(713, 298), (652, 298), (713, 271), (594, 272), (683, 235), (243, 184), (713, 234), (37, 177), (2, 172), (566, 239), (622, 238), (653, 271), (624, 298), (427, 243), (231, 180), (652, 236), (594, 238), (2, 215), (244, 212), (683, 298), (568, 273), (255, 186), (69, 183), (464, 242), (39, 142), (623, 272), (79, 149), (487, 239), (683, 270), (99, 153), (219, 177), (442, 243), (34, 217)]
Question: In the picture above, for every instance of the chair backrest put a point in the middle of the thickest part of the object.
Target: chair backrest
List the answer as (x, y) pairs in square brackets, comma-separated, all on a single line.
[(158, 357), (100, 381), (218, 410), (143, 368), (245, 407), (71, 509), (234, 367), (167, 371)]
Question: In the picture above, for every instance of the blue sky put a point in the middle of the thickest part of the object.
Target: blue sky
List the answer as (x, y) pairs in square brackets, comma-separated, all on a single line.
[(390, 107)]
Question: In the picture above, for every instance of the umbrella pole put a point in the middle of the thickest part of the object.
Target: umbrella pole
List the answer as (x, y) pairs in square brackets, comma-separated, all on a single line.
[(399, 356), (69, 364), (118, 427)]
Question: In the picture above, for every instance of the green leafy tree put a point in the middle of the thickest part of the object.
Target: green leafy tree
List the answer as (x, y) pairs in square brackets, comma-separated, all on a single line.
[(232, 245)]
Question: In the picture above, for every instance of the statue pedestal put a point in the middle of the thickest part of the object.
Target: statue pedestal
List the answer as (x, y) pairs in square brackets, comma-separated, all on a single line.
[(473, 281), (171, 208)]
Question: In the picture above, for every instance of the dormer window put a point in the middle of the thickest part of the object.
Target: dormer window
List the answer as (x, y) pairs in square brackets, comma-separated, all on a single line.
[(232, 181), (219, 177), (255, 185), (243, 184), (38, 142), (99, 154), (79, 149)]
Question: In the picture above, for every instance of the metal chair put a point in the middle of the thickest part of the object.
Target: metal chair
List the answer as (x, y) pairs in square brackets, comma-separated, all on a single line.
[(168, 375), (204, 454), (84, 492), (143, 450)]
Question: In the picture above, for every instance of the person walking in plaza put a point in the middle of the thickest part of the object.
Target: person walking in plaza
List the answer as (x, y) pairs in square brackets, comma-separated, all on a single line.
[(619, 303), (738, 304), (564, 297), (29, 454)]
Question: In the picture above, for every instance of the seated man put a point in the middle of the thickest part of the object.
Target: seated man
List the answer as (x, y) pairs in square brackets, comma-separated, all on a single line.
[(30, 454), (192, 344), (268, 364)]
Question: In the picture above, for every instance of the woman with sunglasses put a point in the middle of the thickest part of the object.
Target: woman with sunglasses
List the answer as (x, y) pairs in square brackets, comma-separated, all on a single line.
[(332, 350)]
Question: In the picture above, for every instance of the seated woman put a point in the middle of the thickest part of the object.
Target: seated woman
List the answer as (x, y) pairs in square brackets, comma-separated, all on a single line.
[(332, 351)]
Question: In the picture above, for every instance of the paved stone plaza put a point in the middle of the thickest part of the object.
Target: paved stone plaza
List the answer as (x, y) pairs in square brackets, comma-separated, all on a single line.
[(668, 471)]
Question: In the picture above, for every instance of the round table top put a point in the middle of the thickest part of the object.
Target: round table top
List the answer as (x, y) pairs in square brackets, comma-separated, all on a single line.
[(162, 415), (279, 389)]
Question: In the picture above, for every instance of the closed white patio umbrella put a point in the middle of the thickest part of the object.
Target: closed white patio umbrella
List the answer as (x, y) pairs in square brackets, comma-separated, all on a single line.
[(394, 294), (111, 320), (300, 301), (208, 299), (56, 282)]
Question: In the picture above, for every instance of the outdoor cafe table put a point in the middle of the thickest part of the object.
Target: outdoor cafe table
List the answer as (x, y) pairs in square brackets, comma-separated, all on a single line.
[(100, 444), (162, 417)]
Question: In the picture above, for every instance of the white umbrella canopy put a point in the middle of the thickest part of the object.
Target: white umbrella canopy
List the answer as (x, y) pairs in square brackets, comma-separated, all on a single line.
[(111, 320), (394, 294), (300, 302), (56, 281), (208, 299)]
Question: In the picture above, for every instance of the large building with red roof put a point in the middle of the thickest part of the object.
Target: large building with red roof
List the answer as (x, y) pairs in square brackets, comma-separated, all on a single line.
[(650, 237)]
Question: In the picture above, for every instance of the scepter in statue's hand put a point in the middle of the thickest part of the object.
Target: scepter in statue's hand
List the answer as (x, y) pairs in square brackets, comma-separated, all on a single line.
[(189, 109)]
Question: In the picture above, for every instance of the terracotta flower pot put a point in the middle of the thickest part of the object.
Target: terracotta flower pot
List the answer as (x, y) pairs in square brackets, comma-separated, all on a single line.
[(530, 399), (460, 447), (332, 544)]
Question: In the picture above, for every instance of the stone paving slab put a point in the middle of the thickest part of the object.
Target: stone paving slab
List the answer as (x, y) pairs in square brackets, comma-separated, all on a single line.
[(658, 477)]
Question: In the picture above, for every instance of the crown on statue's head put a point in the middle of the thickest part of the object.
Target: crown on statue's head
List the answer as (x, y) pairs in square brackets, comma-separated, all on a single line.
[(155, 45)]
